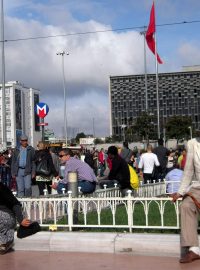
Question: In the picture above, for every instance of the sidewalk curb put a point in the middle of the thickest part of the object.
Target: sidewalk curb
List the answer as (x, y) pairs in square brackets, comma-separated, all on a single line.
[(136, 243)]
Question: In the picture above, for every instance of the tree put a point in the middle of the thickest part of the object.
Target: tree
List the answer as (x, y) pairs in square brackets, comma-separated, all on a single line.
[(144, 127), (178, 127), (98, 141), (80, 135), (108, 139)]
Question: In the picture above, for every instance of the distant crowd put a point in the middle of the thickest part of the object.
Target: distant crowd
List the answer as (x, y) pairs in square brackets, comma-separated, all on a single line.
[(24, 166)]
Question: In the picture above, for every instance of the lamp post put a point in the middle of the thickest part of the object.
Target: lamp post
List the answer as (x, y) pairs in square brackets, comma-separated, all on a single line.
[(123, 128), (3, 114), (62, 54), (190, 128)]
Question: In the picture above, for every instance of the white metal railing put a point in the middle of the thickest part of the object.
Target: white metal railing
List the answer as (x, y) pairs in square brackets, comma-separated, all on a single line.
[(145, 190), (50, 210)]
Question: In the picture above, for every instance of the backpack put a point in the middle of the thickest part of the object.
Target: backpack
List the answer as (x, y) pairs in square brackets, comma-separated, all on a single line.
[(42, 168), (134, 180)]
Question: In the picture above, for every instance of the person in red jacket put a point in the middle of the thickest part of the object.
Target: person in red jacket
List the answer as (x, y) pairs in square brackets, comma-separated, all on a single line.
[(102, 163)]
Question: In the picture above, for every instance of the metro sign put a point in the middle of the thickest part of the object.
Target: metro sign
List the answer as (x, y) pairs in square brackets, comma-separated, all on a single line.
[(41, 109)]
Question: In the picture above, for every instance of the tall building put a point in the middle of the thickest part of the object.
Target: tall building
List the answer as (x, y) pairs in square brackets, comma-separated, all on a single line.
[(179, 94), (20, 114)]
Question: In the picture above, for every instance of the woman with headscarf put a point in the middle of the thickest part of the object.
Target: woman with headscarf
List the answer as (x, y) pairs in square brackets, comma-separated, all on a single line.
[(10, 210)]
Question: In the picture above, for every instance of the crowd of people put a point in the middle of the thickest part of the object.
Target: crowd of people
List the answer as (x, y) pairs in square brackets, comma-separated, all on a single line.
[(20, 166)]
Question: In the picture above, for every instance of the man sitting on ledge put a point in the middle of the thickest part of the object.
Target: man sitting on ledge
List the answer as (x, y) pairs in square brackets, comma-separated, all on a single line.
[(85, 174), (119, 172), (190, 206)]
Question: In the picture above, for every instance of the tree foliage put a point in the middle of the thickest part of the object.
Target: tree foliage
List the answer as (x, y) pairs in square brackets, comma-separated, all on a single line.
[(144, 126), (80, 135), (178, 127), (98, 141)]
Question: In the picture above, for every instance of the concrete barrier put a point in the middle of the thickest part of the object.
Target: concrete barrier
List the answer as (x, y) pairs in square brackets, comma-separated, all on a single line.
[(135, 243)]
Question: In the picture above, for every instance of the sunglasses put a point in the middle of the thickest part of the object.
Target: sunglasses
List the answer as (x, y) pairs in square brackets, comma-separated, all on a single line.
[(60, 156)]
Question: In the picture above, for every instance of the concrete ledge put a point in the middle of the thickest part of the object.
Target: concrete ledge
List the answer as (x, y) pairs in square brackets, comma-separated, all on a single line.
[(148, 244), (82, 242), (135, 243)]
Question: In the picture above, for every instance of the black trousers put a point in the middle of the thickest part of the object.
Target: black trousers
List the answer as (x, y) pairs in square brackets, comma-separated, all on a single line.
[(147, 176), (44, 185)]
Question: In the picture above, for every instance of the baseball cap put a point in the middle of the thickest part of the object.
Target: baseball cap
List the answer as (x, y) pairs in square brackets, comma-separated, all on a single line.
[(23, 138)]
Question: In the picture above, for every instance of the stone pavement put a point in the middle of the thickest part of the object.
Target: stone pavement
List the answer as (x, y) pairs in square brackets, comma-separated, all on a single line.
[(22, 260)]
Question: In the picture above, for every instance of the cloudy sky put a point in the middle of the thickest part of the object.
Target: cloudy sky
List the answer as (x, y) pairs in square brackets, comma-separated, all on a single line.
[(93, 57)]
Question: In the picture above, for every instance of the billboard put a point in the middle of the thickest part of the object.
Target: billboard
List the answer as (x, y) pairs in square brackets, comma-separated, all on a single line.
[(37, 119), (86, 141), (18, 134), (18, 109)]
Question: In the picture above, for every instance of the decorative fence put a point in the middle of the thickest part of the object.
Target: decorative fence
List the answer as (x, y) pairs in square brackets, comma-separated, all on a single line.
[(106, 208)]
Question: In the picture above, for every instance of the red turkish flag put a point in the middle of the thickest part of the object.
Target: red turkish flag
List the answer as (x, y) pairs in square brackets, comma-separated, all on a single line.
[(150, 34)]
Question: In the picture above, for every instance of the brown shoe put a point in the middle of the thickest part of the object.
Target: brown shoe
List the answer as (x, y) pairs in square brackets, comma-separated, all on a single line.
[(189, 257)]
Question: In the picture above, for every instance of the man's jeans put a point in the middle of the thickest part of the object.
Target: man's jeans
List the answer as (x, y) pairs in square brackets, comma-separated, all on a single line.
[(23, 184), (60, 186), (86, 187)]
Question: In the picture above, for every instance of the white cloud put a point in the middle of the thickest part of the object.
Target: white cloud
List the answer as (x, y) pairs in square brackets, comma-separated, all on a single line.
[(93, 58), (189, 53), (80, 114)]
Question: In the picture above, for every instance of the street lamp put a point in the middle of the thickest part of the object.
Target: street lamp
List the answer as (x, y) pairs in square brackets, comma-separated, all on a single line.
[(3, 106), (64, 91), (190, 128), (123, 128)]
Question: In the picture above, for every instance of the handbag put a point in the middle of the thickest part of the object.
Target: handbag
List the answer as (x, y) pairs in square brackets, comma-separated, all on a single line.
[(33, 228), (134, 180), (42, 168)]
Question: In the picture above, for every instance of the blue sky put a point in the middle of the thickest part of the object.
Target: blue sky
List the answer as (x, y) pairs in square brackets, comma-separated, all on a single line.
[(94, 57)]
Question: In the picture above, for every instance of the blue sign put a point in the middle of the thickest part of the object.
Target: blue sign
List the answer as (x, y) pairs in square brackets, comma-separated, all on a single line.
[(41, 109)]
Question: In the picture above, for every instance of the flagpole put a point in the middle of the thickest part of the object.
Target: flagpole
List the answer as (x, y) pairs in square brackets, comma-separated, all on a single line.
[(157, 92), (145, 70), (157, 88), (152, 44)]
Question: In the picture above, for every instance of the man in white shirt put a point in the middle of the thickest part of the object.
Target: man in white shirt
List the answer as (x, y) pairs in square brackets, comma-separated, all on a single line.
[(147, 162)]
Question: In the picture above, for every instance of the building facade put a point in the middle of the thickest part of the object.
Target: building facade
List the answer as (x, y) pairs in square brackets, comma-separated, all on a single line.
[(19, 114), (179, 94)]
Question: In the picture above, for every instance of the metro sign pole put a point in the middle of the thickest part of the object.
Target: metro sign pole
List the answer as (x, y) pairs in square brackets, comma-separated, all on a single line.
[(42, 110)]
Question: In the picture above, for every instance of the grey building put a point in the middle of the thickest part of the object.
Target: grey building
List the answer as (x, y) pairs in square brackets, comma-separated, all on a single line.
[(179, 94), (20, 114)]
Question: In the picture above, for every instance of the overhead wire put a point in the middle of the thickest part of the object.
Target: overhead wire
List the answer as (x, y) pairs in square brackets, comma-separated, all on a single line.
[(98, 31)]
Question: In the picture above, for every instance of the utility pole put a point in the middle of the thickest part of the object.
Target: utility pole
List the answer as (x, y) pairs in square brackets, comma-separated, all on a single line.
[(64, 90), (93, 127), (3, 105)]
